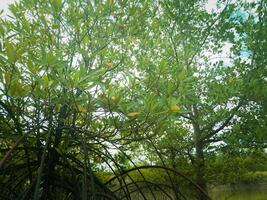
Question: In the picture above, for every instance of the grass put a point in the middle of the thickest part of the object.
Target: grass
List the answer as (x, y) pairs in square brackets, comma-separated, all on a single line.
[(240, 192)]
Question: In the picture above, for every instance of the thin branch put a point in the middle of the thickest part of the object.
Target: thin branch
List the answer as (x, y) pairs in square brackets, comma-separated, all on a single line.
[(224, 124)]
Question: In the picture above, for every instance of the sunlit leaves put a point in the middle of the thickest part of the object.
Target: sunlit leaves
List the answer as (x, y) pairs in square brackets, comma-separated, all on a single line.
[(182, 75), (109, 64), (81, 108), (11, 52), (32, 67), (16, 88), (174, 108), (133, 114), (46, 80)]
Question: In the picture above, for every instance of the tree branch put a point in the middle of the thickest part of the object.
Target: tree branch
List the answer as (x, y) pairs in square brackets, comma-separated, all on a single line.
[(224, 124)]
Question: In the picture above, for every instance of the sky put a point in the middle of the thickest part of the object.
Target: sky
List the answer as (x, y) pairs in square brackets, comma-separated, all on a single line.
[(4, 4)]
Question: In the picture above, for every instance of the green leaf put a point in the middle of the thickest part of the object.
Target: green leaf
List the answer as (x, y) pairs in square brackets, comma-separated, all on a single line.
[(93, 76), (16, 88), (81, 109), (11, 53), (76, 77), (82, 70), (182, 75), (133, 114), (2, 30), (8, 77), (46, 80), (174, 108), (31, 67)]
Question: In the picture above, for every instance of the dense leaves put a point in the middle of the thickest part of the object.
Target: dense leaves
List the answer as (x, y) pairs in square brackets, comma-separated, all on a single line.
[(92, 88)]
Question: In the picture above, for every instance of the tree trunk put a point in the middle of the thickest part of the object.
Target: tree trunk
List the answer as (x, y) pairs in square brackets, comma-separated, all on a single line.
[(199, 162), (200, 168)]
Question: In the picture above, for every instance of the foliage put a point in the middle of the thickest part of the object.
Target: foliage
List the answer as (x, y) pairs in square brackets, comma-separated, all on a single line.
[(103, 86)]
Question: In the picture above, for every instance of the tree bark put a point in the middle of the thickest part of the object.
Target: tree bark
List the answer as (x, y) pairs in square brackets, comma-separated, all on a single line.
[(199, 162)]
